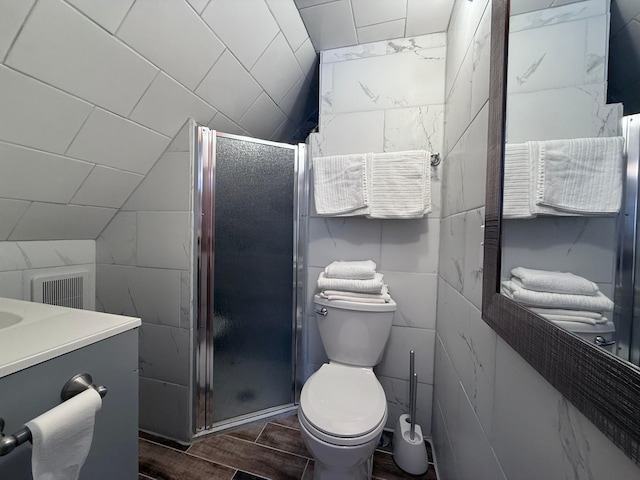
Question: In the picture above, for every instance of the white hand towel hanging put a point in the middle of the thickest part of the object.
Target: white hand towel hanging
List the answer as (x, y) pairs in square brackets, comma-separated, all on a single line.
[(62, 437), (339, 184), (399, 184)]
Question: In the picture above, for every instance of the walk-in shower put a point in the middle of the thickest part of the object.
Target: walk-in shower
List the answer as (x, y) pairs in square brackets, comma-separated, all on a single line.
[(250, 203)]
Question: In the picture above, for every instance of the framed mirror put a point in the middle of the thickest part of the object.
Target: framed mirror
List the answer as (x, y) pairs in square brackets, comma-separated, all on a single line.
[(603, 386)]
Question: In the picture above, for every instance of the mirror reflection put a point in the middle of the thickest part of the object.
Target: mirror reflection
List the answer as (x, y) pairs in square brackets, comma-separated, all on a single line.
[(565, 200)]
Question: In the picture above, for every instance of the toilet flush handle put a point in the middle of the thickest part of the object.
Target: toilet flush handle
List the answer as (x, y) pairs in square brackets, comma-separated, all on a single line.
[(601, 342), (323, 311)]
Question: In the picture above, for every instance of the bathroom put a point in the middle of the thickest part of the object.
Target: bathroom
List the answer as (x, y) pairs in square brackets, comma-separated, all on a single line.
[(121, 98)]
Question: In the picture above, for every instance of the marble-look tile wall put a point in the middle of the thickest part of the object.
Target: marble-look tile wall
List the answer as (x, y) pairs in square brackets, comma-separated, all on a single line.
[(144, 270), (494, 417), (557, 63), (385, 97), (21, 261)]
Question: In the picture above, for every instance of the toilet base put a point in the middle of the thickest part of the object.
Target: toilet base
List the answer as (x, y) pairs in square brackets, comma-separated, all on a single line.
[(360, 472)]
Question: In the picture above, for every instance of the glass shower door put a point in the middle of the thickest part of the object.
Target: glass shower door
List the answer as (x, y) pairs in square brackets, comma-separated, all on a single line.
[(251, 261)]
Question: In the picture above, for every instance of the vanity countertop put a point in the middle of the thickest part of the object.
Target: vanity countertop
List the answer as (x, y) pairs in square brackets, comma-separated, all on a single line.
[(46, 331)]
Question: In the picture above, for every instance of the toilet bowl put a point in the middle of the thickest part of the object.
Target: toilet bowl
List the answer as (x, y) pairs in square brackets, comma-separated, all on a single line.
[(343, 408)]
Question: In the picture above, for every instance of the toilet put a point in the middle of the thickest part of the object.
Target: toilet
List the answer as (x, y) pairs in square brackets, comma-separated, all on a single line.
[(343, 408), (602, 334)]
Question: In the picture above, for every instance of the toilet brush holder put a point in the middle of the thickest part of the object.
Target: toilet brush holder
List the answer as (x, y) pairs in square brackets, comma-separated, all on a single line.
[(409, 454)]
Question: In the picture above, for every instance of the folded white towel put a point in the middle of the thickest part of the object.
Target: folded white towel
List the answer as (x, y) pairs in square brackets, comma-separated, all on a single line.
[(557, 282), (355, 296), (339, 184), (363, 269), (568, 313), (517, 182), (572, 318), (372, 285), (597, 302), (399, 184), (582, 175), (346, 297)]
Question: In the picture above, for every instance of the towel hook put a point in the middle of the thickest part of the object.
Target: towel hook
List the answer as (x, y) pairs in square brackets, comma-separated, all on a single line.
[(435, 159)]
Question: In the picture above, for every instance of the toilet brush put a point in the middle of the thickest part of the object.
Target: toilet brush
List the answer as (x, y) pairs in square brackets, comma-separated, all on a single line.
[(409, 451)]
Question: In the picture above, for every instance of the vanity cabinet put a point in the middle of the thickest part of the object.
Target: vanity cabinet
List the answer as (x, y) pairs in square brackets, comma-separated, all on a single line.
[(112, 362)]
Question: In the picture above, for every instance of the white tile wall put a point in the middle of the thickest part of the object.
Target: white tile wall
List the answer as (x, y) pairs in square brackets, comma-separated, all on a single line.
[(29, 174), (98, 68), (50, 221), (106, 187), (163, 240), (381, 31), (52, 116), (422, 19), (350, 133), (166, 105), (166, 401), (343, 239), (235, 26), (10, 212), (409, 291), (414, 128), (410, 245), (369, 12), (397, 393), (395, 362), (111, 140), (164, 351), (165, 187), (117, 242), (173, 40), (307, 57)]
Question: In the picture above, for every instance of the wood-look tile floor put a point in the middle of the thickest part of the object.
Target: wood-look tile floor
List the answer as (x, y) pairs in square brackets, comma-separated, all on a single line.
[(269, 450)]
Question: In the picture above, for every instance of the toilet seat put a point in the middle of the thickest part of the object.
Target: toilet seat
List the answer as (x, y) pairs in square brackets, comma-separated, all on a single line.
[(343, 405)]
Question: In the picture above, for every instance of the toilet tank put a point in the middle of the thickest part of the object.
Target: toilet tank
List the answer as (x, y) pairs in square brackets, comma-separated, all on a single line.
[(354, 333)]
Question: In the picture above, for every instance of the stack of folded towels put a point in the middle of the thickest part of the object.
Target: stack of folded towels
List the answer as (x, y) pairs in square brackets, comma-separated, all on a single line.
[(558, 296), (355, 281)]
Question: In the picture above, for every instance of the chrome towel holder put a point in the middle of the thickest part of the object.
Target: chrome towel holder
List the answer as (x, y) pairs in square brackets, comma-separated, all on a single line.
[(75, 385)]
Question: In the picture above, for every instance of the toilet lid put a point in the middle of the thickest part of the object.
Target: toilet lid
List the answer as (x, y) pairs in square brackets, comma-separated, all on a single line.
[(343, 401)]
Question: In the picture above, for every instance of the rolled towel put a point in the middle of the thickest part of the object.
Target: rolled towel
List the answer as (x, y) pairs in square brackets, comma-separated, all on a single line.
[(568, 313), (372, 285), (360, 270), (555, 282), (597, 302)]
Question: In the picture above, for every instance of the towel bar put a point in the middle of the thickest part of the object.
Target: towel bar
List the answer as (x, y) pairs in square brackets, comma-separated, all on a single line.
[(75, 385)]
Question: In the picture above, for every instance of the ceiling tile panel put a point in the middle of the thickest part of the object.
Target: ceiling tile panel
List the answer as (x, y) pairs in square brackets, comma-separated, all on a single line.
[(381, 31), (166, 105), (229, 87), (330, 25), (173, 37), (307, 57), (288, 18), (107, 139), (428, 17), (106, 187), (62, 47), (12, 15), (277, 70), (263, 118), (370, 12), (29, 174), (107, 13), (10, 212), (50, 221), (246, 31), (37, 115)]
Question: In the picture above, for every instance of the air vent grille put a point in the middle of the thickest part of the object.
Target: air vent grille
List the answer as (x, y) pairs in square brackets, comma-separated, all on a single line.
[(67, 290)]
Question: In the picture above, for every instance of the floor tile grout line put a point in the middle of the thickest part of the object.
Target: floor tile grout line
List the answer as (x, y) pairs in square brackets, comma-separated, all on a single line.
[(228, 466), (284, 426), (305, 469), (164, 446), (261, 431), (269, 447)]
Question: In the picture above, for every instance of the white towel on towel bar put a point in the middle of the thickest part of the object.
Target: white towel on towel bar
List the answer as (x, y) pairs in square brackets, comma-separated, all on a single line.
[(582, 175), (596, 303), (339, 184), (360, 269), (517, 182), (557, 282), (373, 285), (399, 184)]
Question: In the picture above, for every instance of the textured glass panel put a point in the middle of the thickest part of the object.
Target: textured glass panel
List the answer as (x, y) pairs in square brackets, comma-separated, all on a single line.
[(253, 280)]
